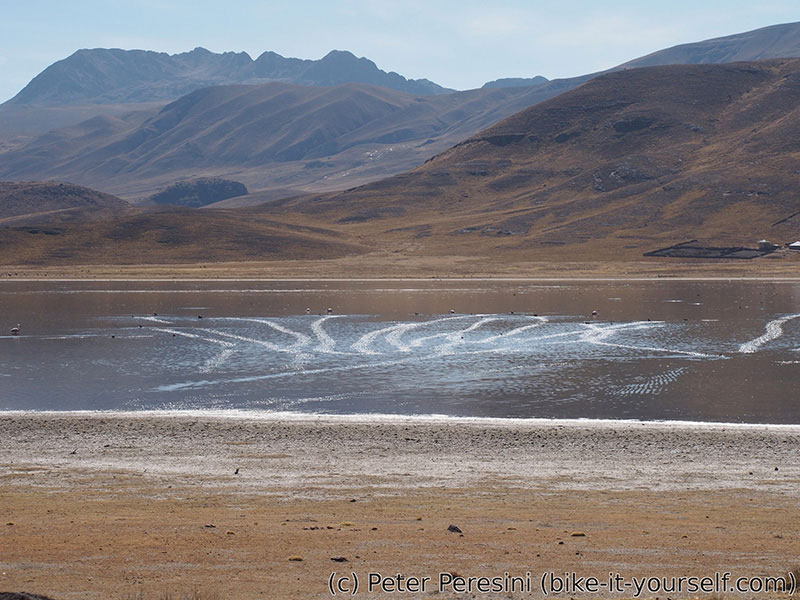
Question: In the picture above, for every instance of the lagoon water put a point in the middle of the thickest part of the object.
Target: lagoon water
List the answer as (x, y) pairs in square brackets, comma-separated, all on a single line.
[(655, 350)]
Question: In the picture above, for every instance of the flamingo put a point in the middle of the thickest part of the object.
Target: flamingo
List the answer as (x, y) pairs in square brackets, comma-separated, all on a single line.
[(15, 330)]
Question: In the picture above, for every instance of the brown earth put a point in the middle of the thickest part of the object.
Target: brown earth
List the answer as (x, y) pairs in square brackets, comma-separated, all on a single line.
[(143, 506)]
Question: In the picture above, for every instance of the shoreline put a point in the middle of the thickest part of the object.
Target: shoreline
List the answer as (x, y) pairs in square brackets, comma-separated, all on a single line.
[(137, 505), (403, 419), (339, 453), (387, 266)]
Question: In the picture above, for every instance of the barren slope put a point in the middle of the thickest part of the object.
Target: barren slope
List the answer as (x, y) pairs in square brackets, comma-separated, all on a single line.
[(273, 136), (19, 199), (775, 41), (49, 223), (629, 162)]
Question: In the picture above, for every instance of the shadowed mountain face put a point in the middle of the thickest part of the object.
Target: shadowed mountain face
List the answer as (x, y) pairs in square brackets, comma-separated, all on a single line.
[(776, 41), (111, 76), (629, 162), (199, 192)]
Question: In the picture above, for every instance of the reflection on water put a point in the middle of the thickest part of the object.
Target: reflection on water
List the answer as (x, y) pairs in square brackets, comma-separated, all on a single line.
[(651, 350)]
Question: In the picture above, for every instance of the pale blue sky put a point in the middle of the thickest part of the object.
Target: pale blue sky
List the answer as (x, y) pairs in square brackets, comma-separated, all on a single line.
[(456, 43)]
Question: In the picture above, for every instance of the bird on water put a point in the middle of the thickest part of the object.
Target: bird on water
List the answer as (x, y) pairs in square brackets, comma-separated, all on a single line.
[(15, 330)]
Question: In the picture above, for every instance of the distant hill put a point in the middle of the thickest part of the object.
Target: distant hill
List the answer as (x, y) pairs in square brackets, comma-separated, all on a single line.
[(165, 235), (776, 41), (37, 198), (629, 162), (113, 76), (199, 192), (516, 82)]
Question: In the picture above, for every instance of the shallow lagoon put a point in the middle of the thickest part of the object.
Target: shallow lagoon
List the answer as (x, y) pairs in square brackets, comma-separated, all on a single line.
[(655, 350)]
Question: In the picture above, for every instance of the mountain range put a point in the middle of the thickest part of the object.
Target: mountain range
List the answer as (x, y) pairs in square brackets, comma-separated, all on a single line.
[(279, 137), (276, 136), (113, 76), (607, 165), (627, 163)]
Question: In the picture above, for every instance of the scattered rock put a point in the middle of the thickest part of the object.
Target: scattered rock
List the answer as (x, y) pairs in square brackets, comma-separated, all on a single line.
[(210, 526), (578, 534), (338, 559), (453, 529), (295, 559)]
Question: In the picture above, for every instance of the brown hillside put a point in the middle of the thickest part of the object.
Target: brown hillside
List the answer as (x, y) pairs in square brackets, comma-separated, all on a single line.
[(49, 223), (627, 163), (179, 235), (34, 198)]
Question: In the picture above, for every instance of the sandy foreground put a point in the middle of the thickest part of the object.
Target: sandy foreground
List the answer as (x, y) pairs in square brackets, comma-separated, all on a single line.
[(150, 505)]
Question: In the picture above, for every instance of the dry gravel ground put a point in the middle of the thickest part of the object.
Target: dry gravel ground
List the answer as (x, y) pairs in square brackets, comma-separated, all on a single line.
[(128, 505)]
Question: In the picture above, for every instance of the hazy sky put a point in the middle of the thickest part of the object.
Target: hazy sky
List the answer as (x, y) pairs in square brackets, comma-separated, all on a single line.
[(456, 43)]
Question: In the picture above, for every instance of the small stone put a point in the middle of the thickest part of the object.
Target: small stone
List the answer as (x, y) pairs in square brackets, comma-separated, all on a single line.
[(229, 532), (210, 526), (295, 559), (453, 529), (338, 559), (578, 534)]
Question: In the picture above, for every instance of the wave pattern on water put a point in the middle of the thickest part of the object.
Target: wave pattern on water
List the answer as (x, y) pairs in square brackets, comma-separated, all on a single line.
[(338, 344), (652, 385), (774, 330)]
